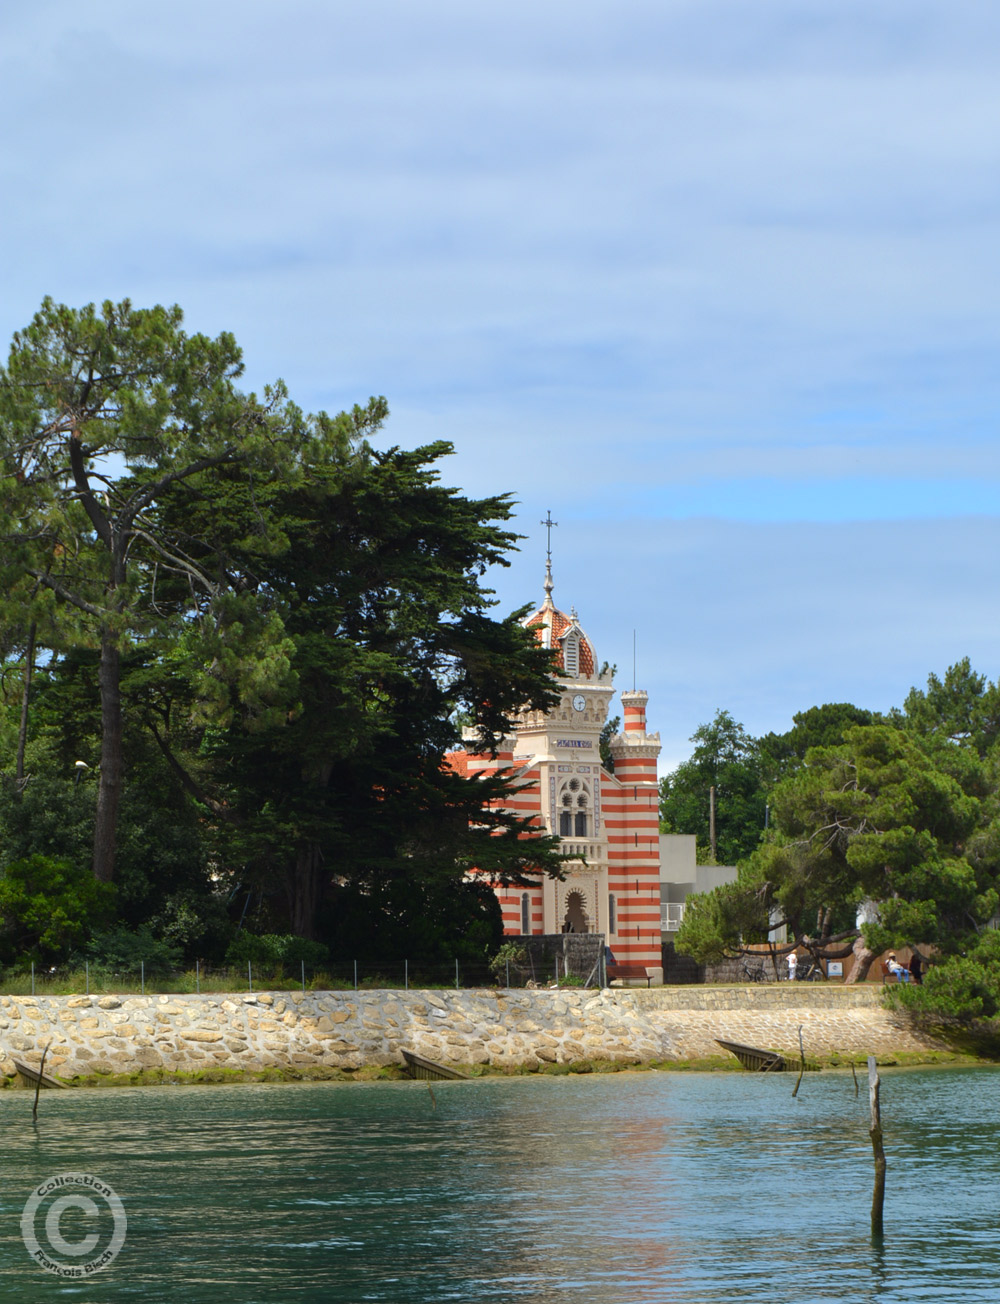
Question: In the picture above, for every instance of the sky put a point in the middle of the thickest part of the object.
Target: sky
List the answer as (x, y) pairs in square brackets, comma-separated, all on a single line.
[(714, 281)]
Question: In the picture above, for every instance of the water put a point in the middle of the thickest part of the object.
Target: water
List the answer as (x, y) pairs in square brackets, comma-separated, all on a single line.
[(687, 1189)]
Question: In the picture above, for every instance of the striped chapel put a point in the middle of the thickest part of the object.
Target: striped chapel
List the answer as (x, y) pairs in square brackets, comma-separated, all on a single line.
[(609, 820)]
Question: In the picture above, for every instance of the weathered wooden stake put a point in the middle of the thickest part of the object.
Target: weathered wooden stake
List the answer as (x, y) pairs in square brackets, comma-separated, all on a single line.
[(878, 1195), (38, 1084), (855, 1072), (802, 1065)]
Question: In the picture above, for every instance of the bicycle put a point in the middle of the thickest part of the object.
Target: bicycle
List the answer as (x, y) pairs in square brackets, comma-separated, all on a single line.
[(754, 973), (813, 973)]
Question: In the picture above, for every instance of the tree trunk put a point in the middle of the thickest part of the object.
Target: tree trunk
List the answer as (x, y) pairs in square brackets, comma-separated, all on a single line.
[(109, 788), (22, 736), (863, 959), (306, 884)]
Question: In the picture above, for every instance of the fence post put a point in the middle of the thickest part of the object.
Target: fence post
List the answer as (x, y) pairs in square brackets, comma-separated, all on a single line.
[(456, 972), (86, 968), (197, 976), (557, 971), (406, 975), (355, 975), (303, 977), (507, 964), (250, 974), (142, 970), (32, 977)]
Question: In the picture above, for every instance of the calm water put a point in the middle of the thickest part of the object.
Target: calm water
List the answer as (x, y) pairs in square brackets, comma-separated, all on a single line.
[(609, 1190)]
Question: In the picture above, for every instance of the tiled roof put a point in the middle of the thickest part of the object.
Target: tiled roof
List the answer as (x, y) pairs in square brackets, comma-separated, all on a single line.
[(553, 625)]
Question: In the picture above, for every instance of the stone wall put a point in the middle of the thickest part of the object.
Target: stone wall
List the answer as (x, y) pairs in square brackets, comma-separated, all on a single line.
[(835, 1020), (332, 1032), (578, 954)]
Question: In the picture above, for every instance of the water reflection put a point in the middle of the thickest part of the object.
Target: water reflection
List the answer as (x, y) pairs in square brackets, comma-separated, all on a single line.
[(625, 1189)]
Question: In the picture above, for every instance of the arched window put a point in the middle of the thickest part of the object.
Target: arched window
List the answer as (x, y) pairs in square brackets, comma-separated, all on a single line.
[(566, 817), (574, 813), (525, 913)]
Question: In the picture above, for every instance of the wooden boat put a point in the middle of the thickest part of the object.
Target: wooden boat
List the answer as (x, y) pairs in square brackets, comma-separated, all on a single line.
[(30, 1076), (418, 1067), (765, 1061)]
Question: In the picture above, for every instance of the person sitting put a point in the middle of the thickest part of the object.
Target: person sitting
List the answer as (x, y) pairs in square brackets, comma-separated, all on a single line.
[(894, 967)]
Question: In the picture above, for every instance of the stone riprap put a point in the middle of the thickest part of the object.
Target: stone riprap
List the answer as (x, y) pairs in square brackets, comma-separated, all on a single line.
[(835, 1020), (317, 1032)]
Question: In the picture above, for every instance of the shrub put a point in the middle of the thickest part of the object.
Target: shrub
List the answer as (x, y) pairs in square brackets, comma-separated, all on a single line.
[(126, 949), (47, 906), (274, 950)]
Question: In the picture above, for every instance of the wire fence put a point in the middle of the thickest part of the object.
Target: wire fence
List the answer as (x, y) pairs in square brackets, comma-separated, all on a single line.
[(342, 975)]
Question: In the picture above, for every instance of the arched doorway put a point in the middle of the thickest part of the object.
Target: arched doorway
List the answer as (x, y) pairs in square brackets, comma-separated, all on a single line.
[(576, 919)]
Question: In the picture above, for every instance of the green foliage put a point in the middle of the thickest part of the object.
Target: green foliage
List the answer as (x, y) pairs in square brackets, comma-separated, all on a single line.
[(429, 923), (509, 958), (963, 708), (48, 906), (820, 726), (294, 623), (393, 642), (276, 950), (726, 758), (717, 924), (611, 727), (112, 422), (962, 988), (885, 817), (124, 950)]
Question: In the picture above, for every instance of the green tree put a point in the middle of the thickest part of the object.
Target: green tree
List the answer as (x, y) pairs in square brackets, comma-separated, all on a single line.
[(726, 758), (875, 820), (820, 726), (391, 641), (962, 708), (46, 907), (104, 416)]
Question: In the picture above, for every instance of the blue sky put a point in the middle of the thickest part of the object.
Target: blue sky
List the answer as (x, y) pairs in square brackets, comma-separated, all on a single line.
[(715, 281)]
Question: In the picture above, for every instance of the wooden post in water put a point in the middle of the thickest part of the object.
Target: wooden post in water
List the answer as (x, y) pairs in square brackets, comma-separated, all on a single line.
[(802, 1064), (878, 1195), (38, 1083)]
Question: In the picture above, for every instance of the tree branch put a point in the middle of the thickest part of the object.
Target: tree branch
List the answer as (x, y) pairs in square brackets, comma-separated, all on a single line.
[(216, 807), (84, 492), (66, 595)]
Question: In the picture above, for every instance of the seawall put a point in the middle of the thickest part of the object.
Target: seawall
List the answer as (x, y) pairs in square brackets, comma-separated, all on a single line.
[(330, 1033)]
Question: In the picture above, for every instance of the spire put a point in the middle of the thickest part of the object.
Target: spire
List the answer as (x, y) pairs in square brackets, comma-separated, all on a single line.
[(548, 586)]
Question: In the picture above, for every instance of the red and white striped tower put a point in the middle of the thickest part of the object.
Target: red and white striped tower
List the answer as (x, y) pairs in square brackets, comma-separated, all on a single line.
[(632, 812), (607, 823)]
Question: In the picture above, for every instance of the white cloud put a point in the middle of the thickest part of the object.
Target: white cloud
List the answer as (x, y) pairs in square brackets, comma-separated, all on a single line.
[(645, 264)]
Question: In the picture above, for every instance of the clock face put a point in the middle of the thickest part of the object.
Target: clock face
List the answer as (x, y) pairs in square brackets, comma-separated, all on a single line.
[(579, 702)]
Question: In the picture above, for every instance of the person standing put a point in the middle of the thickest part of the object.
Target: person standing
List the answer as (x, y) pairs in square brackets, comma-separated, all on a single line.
[(793, 966), (916, 966)]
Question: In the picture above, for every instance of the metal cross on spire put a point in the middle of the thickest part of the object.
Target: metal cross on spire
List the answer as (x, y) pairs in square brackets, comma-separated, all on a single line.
[(548, 523)]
